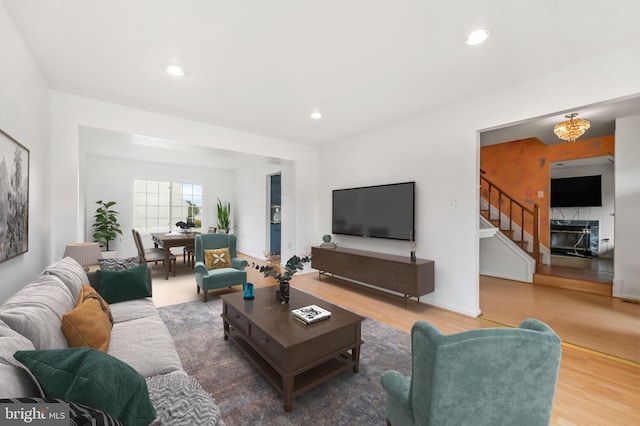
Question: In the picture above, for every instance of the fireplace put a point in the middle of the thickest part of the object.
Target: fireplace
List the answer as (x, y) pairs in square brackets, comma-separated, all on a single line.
[(574, 237)]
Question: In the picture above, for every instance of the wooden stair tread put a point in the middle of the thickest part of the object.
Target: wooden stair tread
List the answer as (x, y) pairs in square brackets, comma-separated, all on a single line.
[(544, 275), (574, 279)]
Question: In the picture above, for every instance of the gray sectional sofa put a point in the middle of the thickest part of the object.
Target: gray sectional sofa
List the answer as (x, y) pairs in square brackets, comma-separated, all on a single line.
[(31, 320)]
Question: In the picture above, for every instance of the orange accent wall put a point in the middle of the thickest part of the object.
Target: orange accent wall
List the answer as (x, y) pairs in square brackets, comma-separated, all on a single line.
[(521, 168)]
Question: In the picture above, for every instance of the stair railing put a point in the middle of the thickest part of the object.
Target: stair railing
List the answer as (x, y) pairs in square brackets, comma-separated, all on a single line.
[(516, 213)]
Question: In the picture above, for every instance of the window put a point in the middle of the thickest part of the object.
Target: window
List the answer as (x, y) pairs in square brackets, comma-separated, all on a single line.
[(158, 206)]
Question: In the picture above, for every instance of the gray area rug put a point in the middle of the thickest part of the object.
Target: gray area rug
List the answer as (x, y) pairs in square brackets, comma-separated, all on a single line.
[(245, 397)]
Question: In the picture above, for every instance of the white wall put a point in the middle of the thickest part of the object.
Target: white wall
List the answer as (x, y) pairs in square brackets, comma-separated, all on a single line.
[(626, 262), (251, 190), (442, 160), (24, 115), (440, 151), (70, 113), (500, 257), (604, 215), (111, 179)]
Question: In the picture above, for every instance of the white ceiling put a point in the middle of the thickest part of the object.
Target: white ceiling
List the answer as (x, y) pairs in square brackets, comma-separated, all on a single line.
[(264, 66), (107, 143), (601, 116)]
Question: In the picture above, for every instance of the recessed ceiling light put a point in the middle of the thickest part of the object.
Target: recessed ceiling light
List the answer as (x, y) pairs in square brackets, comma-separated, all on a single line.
[(174, 70), (316, 115), (477, 37)]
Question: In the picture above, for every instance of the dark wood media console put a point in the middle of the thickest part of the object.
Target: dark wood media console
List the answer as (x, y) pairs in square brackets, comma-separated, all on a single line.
[(390, 272)]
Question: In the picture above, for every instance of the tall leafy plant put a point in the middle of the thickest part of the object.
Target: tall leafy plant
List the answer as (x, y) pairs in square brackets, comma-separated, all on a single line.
[(224, 214), (106, 226)]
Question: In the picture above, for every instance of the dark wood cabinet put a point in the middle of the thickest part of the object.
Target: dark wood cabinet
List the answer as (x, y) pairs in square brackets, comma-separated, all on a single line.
[(390, 272)]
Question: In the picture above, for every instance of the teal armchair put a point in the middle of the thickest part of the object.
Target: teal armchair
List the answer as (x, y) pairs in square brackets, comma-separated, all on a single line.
[(491, 376), (229, 276)]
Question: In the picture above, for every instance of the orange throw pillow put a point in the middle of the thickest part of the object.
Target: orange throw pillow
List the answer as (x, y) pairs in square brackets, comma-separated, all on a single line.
[(218, 258), (89, 324)]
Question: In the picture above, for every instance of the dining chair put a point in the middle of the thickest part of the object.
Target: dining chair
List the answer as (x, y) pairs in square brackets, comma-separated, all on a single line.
[(187, 256), (152, 254)]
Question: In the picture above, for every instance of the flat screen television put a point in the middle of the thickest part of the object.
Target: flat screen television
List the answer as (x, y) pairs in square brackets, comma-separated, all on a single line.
[(582, 191), (382, 211)]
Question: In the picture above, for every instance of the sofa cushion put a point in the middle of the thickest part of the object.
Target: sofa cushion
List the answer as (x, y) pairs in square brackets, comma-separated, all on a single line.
[(88, 376), (118, 264), (89, 323), (153, 352), (36, 311), (133, 309), (15, 381), (217, 258), (79, 414), (118, 286), (70, 272)]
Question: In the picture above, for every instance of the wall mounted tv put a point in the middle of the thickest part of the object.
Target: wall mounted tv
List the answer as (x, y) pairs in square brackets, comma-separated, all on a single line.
[(583, 191), (382, 211)]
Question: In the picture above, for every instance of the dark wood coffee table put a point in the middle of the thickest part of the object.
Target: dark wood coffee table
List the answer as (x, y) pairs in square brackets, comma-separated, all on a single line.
[(294, 357)]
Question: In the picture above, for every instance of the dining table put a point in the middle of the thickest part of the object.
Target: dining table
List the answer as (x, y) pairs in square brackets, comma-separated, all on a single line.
[(166, 240)]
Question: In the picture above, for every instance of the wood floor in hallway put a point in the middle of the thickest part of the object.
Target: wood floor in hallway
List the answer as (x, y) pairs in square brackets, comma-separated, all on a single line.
[(601, 323)]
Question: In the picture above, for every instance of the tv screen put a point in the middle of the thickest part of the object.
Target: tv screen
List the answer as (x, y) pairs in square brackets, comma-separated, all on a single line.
[(383, 211), (583, 191)]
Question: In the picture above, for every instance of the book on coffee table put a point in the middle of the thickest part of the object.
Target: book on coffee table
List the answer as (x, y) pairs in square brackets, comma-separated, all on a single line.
[(310, 314)]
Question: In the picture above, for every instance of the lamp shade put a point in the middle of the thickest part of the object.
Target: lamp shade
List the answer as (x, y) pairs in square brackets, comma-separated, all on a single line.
[(84, 253)]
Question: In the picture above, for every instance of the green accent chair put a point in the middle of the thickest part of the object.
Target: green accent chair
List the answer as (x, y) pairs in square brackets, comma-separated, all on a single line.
[(491, 376), (223, 277)]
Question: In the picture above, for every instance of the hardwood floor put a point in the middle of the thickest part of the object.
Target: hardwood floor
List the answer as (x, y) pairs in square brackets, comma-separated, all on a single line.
[(601, 323), (593, 388)]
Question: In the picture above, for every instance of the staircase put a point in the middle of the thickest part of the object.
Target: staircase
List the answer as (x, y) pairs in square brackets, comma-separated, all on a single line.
[(520, 224), (514, 220)]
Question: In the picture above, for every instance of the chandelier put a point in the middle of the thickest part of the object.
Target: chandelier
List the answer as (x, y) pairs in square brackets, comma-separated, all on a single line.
[(571, 129)]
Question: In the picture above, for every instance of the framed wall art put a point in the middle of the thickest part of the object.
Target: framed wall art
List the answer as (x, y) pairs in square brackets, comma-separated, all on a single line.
[(14, 198)]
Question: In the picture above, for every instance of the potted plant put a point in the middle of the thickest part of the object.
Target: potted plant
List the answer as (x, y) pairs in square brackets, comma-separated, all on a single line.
[(224, 215), (106, 226), (283, 274)]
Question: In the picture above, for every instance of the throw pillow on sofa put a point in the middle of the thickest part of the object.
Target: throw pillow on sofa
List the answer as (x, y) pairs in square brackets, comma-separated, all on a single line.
[(89, 324), (118, 264), (90, 377), (119, 286), (217, 258)]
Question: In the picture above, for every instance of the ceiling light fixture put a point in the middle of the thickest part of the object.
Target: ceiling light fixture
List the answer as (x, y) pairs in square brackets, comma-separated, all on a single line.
[(316, 115), (571, 129), (477, 37), (174, 70)]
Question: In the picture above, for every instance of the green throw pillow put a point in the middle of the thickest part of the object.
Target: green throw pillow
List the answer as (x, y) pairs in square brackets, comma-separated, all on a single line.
[(90, 377), (118, 286)]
